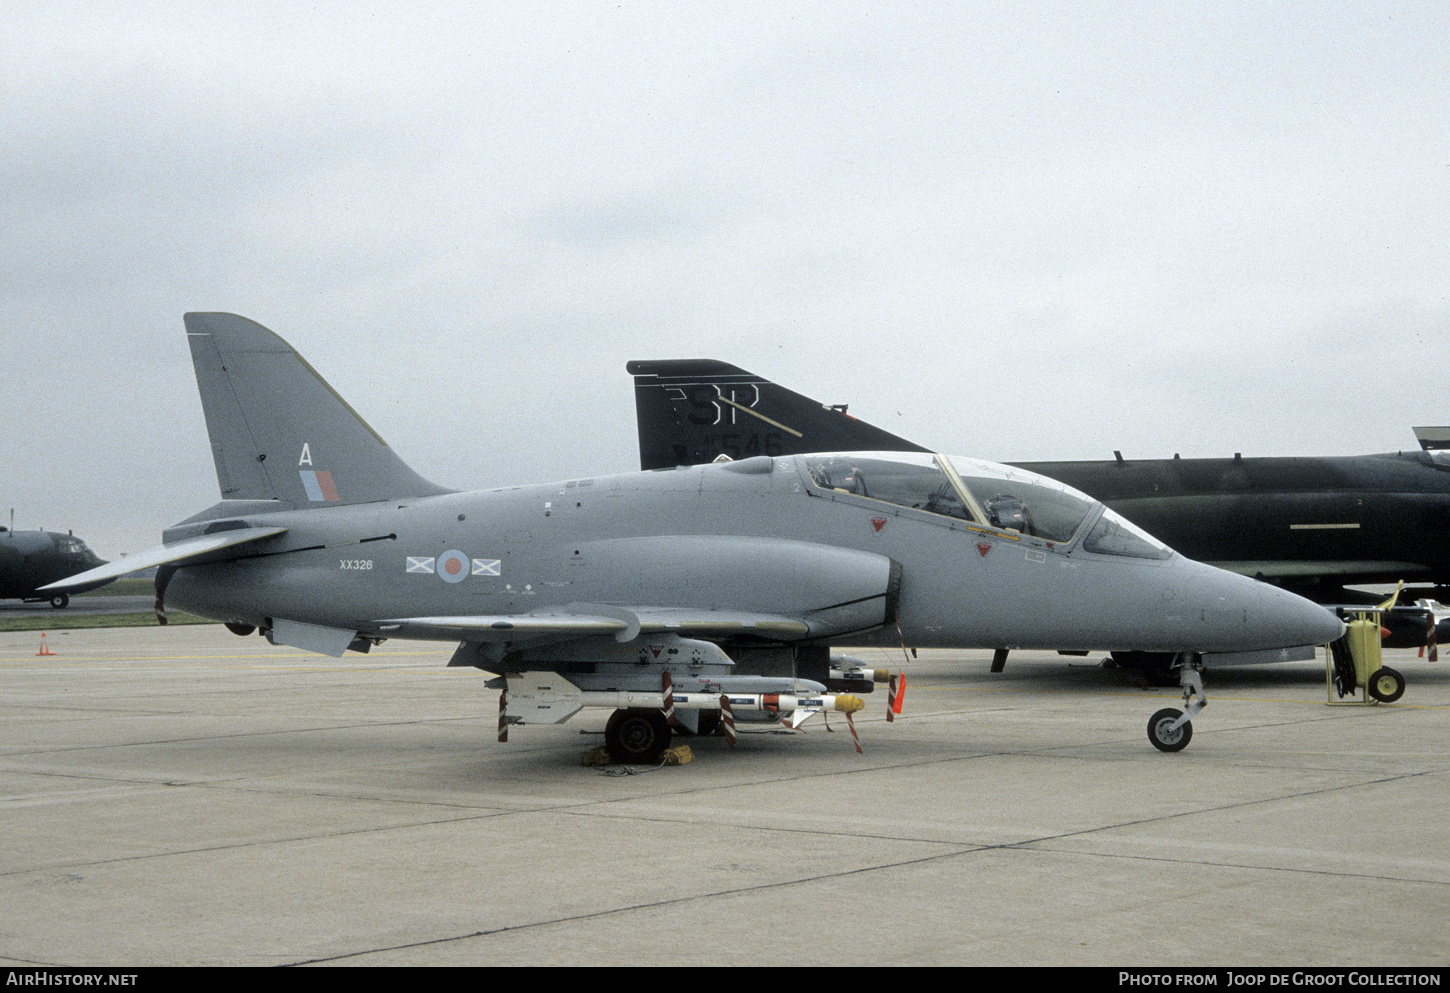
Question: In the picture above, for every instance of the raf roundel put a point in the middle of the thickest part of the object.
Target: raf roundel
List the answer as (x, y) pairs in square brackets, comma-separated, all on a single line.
[(453, 567)]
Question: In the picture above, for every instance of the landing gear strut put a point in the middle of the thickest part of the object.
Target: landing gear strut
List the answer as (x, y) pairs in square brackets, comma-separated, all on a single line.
[(1170, 729)]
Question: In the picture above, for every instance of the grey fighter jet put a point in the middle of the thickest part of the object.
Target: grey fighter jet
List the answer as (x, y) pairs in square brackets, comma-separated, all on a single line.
[(1317, 526), (718, 589)]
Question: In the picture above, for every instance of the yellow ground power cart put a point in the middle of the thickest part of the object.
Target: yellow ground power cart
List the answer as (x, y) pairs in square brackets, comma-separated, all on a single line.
[(1356, 662)]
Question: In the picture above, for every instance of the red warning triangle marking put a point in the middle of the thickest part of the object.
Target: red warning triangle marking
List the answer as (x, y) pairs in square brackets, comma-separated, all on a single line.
[(984, 548)]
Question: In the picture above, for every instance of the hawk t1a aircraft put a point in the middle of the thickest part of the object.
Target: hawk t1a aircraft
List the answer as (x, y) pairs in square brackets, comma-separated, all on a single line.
[(721, 586), (1311, 525), (30, 560)]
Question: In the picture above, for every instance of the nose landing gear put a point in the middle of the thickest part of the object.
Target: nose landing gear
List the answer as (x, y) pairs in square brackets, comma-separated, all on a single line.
[(1171, 729)]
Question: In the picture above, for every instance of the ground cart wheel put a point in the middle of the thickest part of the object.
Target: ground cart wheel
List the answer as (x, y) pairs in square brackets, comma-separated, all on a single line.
[(1386, 685)]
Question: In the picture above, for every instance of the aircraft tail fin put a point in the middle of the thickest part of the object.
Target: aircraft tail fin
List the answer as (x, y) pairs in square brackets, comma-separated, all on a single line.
[(692, 411), (279, 431), (1433, 439)]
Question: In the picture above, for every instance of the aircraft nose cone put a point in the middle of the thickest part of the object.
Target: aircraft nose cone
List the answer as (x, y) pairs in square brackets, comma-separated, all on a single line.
[(1308, 622), (1258, 616)]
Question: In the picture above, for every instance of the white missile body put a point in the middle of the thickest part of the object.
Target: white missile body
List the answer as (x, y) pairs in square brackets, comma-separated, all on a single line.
[(549, 698)]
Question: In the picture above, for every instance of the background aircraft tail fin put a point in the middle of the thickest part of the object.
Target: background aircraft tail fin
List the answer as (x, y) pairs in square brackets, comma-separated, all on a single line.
[(279, 431), (692, 410), (1433, 439)]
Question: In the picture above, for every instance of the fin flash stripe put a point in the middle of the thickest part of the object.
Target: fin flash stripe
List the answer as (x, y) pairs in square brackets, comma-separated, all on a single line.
[(319, 486)]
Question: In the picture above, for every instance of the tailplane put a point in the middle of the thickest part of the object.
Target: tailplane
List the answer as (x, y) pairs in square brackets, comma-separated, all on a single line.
[(279, 431)]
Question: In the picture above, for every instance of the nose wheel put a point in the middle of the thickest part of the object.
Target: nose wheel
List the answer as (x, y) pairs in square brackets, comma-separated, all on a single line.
[(1170, 729)]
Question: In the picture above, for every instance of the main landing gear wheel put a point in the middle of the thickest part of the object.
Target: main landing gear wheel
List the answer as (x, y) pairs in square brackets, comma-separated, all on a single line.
[(1166, 738), (637, 736), (60, 601), (1386, 685)]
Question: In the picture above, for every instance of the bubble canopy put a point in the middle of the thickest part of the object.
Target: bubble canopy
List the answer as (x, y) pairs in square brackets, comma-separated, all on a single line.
[(983, 494)]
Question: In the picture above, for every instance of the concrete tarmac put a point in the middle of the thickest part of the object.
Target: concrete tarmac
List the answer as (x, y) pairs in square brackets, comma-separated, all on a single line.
[(182, 796)]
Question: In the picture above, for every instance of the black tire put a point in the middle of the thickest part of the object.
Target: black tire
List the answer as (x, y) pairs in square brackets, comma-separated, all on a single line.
[(1386, 685), (637, 736), (60, 601), (1165, 740), (238, 628)]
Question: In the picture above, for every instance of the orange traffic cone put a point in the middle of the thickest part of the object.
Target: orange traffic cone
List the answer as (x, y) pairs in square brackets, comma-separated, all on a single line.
[(44, 648)]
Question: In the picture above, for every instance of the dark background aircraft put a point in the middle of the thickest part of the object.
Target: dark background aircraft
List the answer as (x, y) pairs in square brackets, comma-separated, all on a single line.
[(1314, 525), (31, 559)]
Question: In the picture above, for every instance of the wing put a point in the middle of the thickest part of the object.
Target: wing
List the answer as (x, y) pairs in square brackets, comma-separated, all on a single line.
[(593, 620), (822, 592)]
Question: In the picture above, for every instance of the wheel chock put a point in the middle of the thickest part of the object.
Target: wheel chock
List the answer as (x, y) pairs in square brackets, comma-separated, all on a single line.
[(679, 755)]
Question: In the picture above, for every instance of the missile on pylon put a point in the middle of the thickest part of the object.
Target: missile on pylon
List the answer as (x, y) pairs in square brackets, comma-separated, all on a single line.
[(549, 698)]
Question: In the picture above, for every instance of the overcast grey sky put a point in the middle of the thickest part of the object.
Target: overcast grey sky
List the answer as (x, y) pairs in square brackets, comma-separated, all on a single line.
[(1008, 230)]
